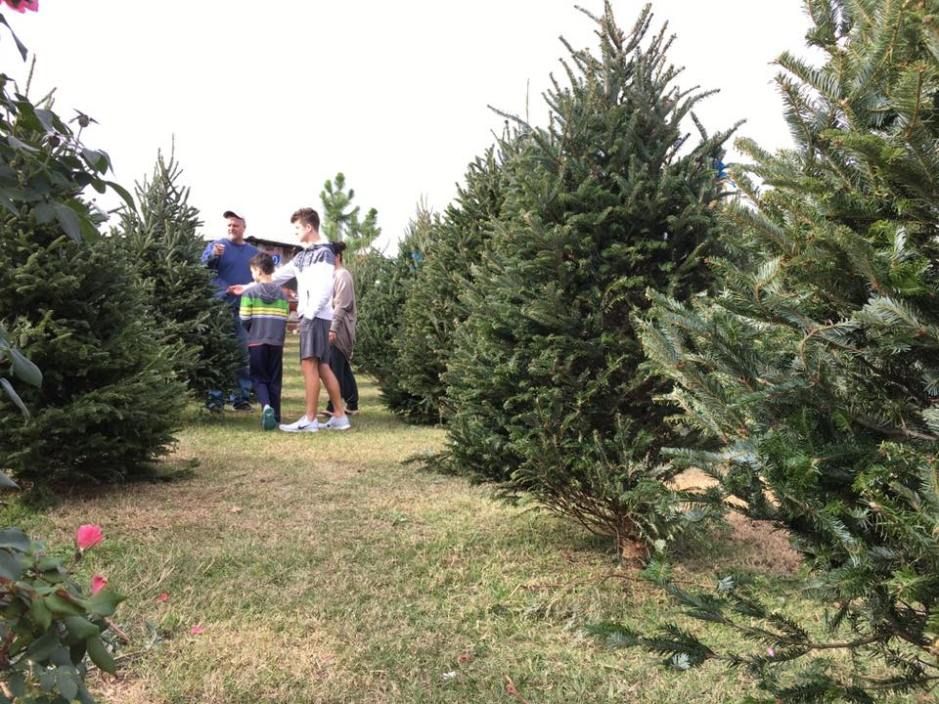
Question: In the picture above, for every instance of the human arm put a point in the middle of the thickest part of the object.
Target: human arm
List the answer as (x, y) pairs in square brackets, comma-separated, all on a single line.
[(343, 299), (244, 312), (212, 254)]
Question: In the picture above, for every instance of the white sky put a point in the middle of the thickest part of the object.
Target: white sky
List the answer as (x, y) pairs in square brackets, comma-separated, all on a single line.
[(268, 99)]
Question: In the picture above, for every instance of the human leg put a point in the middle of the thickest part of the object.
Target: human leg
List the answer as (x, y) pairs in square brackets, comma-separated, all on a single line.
[(276, 375)]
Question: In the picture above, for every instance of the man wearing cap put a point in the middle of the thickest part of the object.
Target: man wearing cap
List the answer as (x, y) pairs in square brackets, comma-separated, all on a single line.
[(230, 259)]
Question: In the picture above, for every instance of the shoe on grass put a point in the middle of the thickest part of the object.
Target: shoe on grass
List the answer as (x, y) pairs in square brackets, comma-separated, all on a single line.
[(268, 420), (338, 423), (303, 425)]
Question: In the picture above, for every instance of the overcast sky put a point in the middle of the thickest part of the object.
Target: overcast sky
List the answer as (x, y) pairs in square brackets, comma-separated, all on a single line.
[(268, 99)]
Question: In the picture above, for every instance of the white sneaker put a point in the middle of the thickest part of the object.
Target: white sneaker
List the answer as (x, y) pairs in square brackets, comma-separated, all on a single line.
[(338, 423), (304, 425)]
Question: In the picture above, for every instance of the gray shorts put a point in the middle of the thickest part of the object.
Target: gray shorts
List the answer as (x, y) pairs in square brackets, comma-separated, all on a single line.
[(314, 339)]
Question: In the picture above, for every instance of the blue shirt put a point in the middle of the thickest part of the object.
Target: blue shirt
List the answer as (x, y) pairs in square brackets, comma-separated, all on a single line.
[(232, 268)]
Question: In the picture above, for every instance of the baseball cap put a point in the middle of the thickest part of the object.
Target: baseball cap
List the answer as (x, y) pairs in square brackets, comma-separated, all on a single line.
[(231, 214)]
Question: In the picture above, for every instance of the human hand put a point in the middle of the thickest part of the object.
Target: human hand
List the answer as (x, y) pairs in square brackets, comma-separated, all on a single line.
[(218, 249), (332, 337), (237, 289)]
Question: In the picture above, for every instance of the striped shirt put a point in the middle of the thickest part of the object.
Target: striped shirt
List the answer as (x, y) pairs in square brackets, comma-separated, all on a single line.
[(264, 310)]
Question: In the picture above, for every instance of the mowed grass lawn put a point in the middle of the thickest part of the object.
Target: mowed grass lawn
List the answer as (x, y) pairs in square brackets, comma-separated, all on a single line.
[(322, 569)]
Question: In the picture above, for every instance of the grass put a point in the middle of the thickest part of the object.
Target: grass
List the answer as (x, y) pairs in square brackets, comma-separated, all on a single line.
[(324, 570)]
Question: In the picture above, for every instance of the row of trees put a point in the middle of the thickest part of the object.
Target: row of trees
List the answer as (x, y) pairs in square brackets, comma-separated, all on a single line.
[(604, 305)]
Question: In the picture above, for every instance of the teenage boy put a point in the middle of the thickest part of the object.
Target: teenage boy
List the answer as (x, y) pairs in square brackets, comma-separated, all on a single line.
[(264, 311), (313, 269), (230, 257)]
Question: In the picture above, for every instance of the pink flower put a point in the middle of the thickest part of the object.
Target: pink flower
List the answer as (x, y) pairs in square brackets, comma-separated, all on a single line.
[(98, 583), (23, 5), (88, 535), (163, 597), (197, 630)]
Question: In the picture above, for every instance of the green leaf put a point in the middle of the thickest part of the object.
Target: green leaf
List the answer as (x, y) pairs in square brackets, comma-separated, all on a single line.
[(19, 45), (17, 684), (40, 613), (14, 539), (123, 193), (105, 602), (19, 144), (68, 220), (98, 652), (42, 648), (63, 607), (77, 651), (10, 566), (97, 159), (13, 396), (23, 369), (67, 681), (81, 628)]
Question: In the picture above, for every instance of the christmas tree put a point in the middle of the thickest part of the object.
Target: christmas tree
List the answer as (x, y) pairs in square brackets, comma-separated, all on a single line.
[(161, 241), (434, 309), (549, 394), (810, 381), (109, 399), (383, 287)]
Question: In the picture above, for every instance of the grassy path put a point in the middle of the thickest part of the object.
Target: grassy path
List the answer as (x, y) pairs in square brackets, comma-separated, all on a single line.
[(322, 570)]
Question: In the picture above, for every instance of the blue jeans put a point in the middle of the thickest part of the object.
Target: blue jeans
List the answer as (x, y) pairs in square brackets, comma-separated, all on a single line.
[(241, 394)]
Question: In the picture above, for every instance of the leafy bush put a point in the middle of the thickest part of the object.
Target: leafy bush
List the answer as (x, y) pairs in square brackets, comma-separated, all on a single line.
[(50, 623)]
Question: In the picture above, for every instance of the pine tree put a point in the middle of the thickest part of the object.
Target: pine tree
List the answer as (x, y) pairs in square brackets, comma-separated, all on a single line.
[(341, 220), (811, 380), (109, 399), (549, 394), (161, 241), (434, 309), (383, 287)]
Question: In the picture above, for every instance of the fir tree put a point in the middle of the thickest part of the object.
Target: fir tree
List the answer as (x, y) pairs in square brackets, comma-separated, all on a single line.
[(109, 400), (811, 380), (383, 287), (160, 239), (549, 394), (434, 310)]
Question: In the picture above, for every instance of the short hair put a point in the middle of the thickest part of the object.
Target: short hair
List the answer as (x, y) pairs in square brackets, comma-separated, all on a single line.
[(338, 248), (307, 216), (264, 262)]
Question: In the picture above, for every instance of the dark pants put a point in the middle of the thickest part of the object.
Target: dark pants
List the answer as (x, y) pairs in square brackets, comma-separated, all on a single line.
[(348, 389), (267, 373)]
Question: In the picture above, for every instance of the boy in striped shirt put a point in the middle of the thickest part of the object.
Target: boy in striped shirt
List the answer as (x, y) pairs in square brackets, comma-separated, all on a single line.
[(264, 310)]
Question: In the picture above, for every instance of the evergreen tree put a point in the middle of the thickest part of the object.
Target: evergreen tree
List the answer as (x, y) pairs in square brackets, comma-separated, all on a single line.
[(341, 220), (811, 380), (160, 240), (109, 400), (434, 309), (383, 287), (547, 385)]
